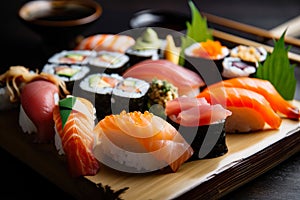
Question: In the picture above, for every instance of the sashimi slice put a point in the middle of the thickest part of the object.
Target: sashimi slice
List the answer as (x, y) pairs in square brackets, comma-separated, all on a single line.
[(74, 122), (158, 146), (191, 111), (187, 81), (249, 103), (108, 42), (265, 88)]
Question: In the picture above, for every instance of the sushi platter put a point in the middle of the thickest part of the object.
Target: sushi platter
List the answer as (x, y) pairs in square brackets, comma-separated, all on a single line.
[(139, 116)]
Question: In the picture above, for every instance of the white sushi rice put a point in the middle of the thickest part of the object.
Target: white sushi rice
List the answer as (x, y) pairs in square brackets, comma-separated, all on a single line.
[(85, 84), (142, 85), (117, 158), (82, 71), (230, 71), (57, 56), (119, 59), (25, 123)]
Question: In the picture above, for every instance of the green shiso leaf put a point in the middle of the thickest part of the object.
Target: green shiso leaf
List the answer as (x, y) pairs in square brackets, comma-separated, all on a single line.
[(278, 70), (197, 31), (65, 106)]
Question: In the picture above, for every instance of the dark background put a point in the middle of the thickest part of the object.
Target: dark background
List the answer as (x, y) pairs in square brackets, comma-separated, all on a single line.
[(21, 46)]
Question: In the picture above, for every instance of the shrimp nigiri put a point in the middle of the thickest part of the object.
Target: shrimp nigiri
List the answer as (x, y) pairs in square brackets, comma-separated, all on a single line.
[(109, 42), (250, 110), (74, 123), (142, 141), (265, 88)]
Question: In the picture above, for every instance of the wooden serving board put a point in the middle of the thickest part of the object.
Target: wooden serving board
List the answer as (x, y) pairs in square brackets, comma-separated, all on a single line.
[(249, 156)]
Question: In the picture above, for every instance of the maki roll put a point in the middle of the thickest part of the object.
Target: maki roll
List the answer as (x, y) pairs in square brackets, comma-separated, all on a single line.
[(147, 46), (201, 124), (98, 88), (71, 57), (206, 55), (67, 73), (235, 67), (110, 62), (249, 53), (130, 95)]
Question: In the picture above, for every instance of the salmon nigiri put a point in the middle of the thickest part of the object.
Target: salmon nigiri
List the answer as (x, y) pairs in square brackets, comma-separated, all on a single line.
[(74, 123), (141, 141), (265, 88), (250, 110)]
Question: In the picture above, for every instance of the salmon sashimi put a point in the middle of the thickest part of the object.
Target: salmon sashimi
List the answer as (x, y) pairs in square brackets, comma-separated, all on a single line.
[(191, 111), (74, 123), (265, 88), (109, 42), (250, 110), (142, 141)]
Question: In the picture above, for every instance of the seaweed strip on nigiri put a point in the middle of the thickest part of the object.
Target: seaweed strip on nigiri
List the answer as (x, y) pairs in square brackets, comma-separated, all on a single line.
[(140, 142), (74, 122)]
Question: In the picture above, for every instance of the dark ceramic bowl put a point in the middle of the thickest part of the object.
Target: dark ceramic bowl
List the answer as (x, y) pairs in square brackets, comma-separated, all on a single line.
[(159, 18), (59, 22)]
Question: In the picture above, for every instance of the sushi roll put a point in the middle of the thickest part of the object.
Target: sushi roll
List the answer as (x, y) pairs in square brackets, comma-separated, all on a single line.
[(235, 67), (130, 95), (110, 62), (249, 54), (206, 55), (67, 73), (71, 57), (147, 46), (98, 88), (201, 124)]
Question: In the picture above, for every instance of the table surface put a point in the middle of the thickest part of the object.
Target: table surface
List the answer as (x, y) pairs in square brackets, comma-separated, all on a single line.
[(281, 182)]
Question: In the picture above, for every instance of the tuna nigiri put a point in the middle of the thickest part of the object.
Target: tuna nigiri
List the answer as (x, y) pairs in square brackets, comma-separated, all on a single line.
[(74, 122), (250, 110), (37, 104), (187, 81), (109, 42), (141, 141), (265, 88), (190, 111)]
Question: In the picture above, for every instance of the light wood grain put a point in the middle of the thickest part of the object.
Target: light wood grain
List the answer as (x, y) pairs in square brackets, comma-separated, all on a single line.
[(232, 167)]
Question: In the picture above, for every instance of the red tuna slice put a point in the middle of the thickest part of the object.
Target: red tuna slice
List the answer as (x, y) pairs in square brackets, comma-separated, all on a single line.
[(38, 102)]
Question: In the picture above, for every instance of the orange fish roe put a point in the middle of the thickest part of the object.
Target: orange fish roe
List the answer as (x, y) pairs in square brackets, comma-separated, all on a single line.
[(209, 49)]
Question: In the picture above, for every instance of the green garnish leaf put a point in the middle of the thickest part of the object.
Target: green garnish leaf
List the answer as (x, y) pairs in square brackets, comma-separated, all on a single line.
[(66, 106), (278, 70), (197, 31)]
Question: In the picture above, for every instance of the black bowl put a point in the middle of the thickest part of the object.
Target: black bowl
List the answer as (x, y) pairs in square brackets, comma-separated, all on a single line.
[(159, 18), (59, 22)]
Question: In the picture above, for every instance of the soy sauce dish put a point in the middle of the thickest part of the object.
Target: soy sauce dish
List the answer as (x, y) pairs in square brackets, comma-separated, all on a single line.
[(59, 20)]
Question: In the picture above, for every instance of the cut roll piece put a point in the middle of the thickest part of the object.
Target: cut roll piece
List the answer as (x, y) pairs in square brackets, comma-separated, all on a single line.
[(111, 62), (71, 57), (249, 53), (67, 73), (130, 95), (235, 67), (139, 142), (98, 88)]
